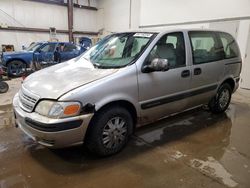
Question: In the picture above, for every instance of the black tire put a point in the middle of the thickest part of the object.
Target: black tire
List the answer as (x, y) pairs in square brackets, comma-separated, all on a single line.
[(98, 131), (221, 101), (4, 87), (16, 68)]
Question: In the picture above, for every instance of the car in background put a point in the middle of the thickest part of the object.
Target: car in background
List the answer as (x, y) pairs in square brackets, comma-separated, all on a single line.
[(15, 63)]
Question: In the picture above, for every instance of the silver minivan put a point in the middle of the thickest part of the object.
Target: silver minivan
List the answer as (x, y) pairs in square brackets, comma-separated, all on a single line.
[(127, 80)]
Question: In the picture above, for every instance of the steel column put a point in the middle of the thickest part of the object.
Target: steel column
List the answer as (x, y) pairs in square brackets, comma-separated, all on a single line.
[(70, 20)]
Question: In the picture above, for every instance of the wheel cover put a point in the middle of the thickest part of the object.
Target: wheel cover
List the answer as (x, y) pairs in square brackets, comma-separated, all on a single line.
[(16, 68), (3, 87), (224, 98), (114, 132)]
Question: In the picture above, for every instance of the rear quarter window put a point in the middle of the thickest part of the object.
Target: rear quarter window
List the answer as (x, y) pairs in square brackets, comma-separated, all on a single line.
[(230, 46)]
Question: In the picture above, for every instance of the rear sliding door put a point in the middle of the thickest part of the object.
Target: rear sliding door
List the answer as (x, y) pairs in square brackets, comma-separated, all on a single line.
[(208, 66)]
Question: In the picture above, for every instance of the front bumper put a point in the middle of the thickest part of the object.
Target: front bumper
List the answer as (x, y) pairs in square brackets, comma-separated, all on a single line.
[(55, 133)]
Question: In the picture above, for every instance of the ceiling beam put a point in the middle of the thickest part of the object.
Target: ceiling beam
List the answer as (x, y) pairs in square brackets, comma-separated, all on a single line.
[(64, 4), (42, 30)]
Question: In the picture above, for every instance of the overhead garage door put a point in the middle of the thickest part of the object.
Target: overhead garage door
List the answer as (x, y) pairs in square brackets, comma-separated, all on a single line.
[(245, 75)]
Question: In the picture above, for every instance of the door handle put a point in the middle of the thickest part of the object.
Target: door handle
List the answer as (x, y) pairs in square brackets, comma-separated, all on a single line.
[(185, 73), (197, 71)]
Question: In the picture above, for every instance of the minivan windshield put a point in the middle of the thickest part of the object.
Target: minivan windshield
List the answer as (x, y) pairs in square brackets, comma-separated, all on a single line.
[(118, 50)]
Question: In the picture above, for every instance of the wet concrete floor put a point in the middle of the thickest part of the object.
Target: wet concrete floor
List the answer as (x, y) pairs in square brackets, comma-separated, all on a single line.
[(193, 149)]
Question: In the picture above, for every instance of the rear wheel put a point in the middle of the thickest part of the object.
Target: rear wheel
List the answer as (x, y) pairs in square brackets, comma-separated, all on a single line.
[(222, 99), (109, 131), (16, 68)]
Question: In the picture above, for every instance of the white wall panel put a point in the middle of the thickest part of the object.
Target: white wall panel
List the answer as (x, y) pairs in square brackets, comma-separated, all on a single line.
[(179, 11), (24, 38), (115, 14), (244, 44), (85, 20), (242, 37), (32, 14)]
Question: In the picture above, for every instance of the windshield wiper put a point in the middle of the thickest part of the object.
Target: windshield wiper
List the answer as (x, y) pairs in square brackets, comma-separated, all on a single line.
[(99, 66), (96, 65)]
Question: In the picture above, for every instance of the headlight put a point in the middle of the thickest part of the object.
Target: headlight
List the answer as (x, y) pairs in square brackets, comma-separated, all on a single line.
[(56, 109)]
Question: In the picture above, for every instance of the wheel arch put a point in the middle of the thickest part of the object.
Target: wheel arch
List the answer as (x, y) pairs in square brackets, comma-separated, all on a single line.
[(122, 103), (229, 81), (125, 104)]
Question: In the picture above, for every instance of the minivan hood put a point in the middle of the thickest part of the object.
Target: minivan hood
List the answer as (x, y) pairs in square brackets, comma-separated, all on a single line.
[(59, 79)]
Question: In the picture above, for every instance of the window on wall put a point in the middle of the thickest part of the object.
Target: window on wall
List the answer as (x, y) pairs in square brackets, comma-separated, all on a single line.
[(171, 47), (229, 45), (205, 47)]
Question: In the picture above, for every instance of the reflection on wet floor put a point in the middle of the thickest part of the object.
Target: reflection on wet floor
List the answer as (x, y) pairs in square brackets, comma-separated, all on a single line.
[(193, 149), (6, 116)]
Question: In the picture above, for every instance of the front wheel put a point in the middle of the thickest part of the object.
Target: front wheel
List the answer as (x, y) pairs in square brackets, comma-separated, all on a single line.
[(221, 101), (109, 131)]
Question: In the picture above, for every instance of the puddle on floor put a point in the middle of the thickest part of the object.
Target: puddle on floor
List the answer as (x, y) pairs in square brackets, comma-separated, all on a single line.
[(14, 181), (6, 116), (215, 170)]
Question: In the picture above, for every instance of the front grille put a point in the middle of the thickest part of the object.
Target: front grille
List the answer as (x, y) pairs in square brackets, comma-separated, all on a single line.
[(28, 100)]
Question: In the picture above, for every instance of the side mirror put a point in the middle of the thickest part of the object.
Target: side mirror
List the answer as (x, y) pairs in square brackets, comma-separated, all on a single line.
[(156, 65)]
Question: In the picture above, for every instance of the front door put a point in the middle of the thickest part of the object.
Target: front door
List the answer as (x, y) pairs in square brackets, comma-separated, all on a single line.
[(163, 93), (45, 53), (69, 51)]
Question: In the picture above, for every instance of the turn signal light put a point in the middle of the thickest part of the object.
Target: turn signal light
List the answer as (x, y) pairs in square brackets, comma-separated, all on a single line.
[(71, 109)]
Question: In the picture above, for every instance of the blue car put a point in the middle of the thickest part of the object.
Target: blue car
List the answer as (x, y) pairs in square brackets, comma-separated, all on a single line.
[(15, 63)]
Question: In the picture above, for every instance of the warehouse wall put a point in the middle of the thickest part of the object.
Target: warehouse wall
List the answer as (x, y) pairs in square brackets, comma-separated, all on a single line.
[(40, 15), (119, 15), (178, 11)]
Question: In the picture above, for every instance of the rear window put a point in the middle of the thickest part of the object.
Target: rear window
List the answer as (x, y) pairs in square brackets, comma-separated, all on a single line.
[(205, 47), (229, 45)]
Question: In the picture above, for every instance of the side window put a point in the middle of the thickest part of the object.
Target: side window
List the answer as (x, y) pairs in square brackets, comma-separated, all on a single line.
[(48, 48), (171, 47), (60, 47), (229, 45), (205, 47), (69, 48)]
